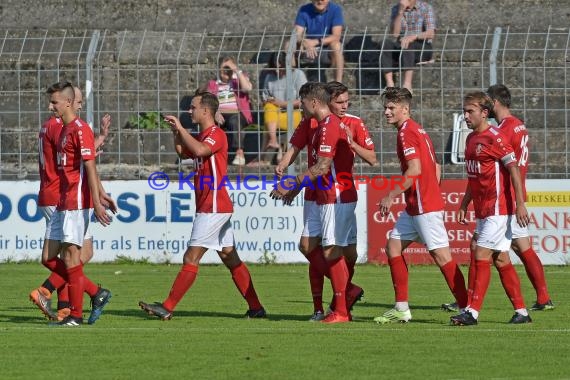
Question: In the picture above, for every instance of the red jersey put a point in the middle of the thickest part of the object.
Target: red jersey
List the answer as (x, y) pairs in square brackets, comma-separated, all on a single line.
[(360, 134), (303, 137), (517, 135), (414, 143), (49, 176), (330, 140), (211, 179), (488, 179), (76, 145)]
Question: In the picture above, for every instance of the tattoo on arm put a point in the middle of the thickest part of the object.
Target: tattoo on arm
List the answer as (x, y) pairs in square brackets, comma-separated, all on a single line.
[(321, 167)]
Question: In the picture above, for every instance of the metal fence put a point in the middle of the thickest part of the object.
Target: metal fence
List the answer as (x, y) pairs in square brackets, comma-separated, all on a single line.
[(136, 76)]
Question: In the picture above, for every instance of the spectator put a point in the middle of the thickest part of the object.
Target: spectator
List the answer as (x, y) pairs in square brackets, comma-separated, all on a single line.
[(318, 25), (274, 97), (413, 26), (232, 89)]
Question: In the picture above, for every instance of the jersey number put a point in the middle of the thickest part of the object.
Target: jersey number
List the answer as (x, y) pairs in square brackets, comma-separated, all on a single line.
[(524, 151)]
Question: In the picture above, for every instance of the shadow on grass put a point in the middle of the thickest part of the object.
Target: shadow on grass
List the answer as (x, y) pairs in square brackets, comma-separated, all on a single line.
[(140, 314)]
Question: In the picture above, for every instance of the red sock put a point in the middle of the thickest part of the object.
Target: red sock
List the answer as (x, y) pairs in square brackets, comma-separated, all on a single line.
[(471, 278), (350, 267), (535, 273), (63, 297), (75, 285), (512, 285), (480, 284), (456, 282), (339, 280), (182, 283), (399, 272), (317, 270), (56, 280), (57, 266), (242, 279), (90, 287)]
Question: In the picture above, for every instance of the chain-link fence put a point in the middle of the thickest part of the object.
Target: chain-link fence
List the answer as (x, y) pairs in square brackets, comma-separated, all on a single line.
[(138, 77)]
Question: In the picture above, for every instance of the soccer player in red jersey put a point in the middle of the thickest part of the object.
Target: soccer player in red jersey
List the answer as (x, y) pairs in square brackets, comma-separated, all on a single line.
[(492, 169), (48, 198), (517, 135), (422, 219), (331, 155), (81, 195), (310, 243), (212, 228)]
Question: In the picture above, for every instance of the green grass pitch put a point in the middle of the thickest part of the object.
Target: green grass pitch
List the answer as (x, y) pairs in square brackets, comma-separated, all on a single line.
[(208, 337)]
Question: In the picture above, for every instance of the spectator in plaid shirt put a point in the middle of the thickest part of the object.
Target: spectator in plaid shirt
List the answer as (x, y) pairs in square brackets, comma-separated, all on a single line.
[(413, 27)]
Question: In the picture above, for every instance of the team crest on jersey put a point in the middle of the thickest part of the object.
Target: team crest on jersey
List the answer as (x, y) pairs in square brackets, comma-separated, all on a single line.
[(325, 148), (479, 148), (409, 151)]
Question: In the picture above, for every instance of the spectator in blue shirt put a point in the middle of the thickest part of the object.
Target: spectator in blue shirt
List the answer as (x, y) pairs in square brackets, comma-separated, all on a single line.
[(319, 25), (413, 27)]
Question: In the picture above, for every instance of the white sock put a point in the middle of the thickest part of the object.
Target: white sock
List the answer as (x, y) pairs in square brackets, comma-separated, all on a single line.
[(474, 313), (402, 306), (522, 312)]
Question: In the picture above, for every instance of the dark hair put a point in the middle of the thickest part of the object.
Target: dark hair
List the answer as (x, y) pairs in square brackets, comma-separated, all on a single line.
[(501, 93), (226, 58), (63, 86), (315, 90), (336, 88), (397, 95), (481, 99), (208, 100), (277, 59)]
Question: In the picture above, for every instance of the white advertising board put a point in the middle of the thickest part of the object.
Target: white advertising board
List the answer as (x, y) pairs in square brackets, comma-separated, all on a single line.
[(156, 224), (548, 203)]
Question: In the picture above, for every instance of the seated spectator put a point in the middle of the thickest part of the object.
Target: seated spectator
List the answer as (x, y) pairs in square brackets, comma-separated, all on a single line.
[(319, 25), (413, 26), (232, 88), (274, 95)]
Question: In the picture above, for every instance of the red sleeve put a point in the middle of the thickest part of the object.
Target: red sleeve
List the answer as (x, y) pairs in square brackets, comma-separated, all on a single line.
[(215, 140), (86, 143), (328, 139), (300, 135), (53, 129), (409, 144), (500, 149), (360, 134)]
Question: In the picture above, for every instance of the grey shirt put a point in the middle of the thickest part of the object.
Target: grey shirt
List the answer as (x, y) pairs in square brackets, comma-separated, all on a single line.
[(276, 88)]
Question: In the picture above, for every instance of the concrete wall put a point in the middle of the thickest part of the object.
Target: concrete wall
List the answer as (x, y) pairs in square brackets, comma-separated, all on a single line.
[(217, 15)]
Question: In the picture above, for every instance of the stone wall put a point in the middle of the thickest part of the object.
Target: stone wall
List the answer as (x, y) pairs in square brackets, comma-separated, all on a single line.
[(433, 105), (217, 15)]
